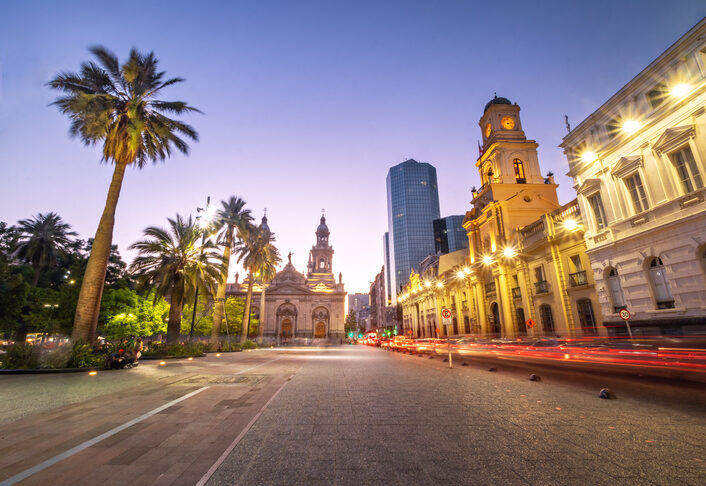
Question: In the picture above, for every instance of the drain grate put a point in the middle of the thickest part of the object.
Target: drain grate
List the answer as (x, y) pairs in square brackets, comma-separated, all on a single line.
[(222, 380)]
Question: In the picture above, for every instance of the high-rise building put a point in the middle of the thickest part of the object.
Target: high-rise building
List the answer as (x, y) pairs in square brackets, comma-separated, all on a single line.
[(386, 269), (449, 234), (412, 206), (357, 302)]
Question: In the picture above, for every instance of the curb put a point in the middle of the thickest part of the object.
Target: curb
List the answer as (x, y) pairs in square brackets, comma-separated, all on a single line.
[(39, 371), (154, 358)]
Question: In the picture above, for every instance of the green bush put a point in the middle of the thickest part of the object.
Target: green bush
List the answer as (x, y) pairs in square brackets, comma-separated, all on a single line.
[(164, 349), (82, 356), (21, 356), (56, 358), (249, 344), (230, 346)]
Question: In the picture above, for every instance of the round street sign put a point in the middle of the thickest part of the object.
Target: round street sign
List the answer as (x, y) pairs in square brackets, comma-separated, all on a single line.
[(530, 323), (624, 314), (446, 313)]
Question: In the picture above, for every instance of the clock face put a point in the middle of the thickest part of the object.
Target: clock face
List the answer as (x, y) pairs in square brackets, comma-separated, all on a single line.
[(508, 123), (488, 129)]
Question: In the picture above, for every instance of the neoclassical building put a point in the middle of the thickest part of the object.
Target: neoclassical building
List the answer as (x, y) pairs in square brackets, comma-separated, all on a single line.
[(298, 305), (526, 260), (639, 163)]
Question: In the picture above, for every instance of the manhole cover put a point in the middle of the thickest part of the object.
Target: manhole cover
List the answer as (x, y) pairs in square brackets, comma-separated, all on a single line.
[(222, 380)]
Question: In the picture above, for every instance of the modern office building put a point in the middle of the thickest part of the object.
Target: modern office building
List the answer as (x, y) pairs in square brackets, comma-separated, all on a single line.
[(412, 207), (639, 163), (357, 302), (386, 267), (449, 234)]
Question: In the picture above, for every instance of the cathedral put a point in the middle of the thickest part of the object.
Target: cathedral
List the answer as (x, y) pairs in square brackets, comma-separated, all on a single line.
[(298, 306)]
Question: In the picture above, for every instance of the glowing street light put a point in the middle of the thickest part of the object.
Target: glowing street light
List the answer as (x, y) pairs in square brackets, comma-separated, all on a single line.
[(487, 260), (571, 224), (589, 156), (680, 90), (460, 274), (509, 252), (466, 270), (631, 126), (427, 284), (439, 285)]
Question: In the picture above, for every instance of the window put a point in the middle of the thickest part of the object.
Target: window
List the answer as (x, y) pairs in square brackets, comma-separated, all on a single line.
[(660, 285), (598, 211), (520, 317), (637, 193), (616, 291), (545, 316), (612, 128), (586, 317), (519, 171), (540, 283), (322, 264), (578, 276), (657, 95), (687, 171)]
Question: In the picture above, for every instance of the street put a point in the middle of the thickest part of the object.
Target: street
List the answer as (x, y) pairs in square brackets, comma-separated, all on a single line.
[(346, 415)]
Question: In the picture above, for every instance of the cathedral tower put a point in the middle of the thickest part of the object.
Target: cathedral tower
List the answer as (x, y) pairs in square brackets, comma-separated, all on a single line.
[(320, 267)]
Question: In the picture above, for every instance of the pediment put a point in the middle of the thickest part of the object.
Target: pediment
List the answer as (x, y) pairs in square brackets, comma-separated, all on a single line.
[(287, 289), (626, 165), (672, 138), (588, 186)]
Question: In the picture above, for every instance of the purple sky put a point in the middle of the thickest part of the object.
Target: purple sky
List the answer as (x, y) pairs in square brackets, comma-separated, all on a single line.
[(308, 104)]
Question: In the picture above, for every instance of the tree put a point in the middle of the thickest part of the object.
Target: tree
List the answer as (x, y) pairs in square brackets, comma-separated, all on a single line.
[(172, 263), (43, 238), (117, 106), (134, 314), (232, 220), (351, 324), (257, 253)]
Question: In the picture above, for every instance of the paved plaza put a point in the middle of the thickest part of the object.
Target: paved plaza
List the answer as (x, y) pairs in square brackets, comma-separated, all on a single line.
[(347, 415)]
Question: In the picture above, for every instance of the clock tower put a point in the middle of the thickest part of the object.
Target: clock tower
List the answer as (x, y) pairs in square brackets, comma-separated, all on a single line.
[(321, 256)]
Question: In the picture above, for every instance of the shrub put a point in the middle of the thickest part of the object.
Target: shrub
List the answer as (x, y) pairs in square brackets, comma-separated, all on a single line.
[(249, 344), (82, 356), (229, 346), (178, 349), (21, 356)]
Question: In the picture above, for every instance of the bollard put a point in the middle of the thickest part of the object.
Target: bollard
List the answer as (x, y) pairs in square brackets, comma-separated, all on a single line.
[(606, 393)]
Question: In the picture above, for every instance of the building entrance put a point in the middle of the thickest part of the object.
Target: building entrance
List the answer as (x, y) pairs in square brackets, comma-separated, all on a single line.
[(286, 328), (496, 318), (320, 330)]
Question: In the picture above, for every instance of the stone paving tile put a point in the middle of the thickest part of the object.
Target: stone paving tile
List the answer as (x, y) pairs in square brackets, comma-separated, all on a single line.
[(370, 416)]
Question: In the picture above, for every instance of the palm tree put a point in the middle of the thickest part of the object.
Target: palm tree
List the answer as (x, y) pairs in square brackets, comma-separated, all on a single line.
[(257, 253), (172, 262), (43, 239), (232, 221), (265, 275), (117, 106)]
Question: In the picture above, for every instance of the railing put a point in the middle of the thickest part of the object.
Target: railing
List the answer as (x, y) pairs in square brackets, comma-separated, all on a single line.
[(567, 210), (577, 279), (516, 294), (490, 287), (532, 228), (541, 287)]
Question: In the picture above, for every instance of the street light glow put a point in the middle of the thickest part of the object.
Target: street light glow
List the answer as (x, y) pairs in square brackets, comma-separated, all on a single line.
[(427, 283), (680, 90), (460, 274), (209, 214), (440, 285), (631, 126), (509, 252), (466, 270), (589, 156), (487, 260), (570, 224)]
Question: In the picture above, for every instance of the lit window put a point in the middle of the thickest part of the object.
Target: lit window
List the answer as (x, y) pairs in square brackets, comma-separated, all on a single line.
[(519, 171), (598, 211), (637, 193), (686, 169), (660, 285)]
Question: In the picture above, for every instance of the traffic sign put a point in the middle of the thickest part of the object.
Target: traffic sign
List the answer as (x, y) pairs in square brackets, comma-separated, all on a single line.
[(446, 316), (530, 323), (624, 314)]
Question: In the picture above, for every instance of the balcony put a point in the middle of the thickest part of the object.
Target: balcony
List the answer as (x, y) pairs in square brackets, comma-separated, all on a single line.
[(577, 279), (541, 287), (516, 294)]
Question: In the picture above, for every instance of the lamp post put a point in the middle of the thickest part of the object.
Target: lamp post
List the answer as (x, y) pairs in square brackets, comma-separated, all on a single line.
[(205, 222), (50, 328)]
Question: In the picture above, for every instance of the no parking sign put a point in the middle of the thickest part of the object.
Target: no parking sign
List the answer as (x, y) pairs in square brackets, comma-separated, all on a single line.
[(446, 316)]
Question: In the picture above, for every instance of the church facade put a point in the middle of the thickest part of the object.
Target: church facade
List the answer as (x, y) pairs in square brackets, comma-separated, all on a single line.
[(298, 306)]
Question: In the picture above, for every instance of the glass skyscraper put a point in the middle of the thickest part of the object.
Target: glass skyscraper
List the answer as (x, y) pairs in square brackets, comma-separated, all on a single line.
[(412, 207), (449, 235)]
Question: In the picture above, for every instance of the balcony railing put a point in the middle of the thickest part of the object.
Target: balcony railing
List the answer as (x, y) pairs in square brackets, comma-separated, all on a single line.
[(577, 279), (490, 287), (516, 293), (541, 287)]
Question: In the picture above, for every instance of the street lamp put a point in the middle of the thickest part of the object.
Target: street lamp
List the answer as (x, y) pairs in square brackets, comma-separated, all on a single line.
[(209, 213)]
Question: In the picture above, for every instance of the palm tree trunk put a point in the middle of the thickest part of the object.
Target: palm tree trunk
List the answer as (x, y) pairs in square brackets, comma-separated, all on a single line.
[(37, 270), (176, 306), (89, 300), (261, 323), (246, 311), (221, 293)]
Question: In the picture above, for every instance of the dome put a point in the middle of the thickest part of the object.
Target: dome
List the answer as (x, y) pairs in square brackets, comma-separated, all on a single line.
[(497, 101), (263, 224), (322, 226)]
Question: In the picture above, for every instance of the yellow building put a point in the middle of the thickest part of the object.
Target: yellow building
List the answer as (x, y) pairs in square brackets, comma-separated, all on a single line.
[(526, 259)]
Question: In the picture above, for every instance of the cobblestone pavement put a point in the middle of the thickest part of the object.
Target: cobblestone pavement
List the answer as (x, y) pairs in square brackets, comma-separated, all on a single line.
[(361, 415)]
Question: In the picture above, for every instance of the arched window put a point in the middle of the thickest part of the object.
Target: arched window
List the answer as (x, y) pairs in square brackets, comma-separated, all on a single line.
[(322, 264), (586, 317), (519, 171), (660, 285), (616, 290), (545, 315)]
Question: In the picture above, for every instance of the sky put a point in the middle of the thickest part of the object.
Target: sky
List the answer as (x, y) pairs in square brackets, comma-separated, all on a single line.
[(308, 104)]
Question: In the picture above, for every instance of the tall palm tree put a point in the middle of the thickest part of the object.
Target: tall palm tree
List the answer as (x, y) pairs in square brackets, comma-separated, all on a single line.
[(172, 262), (257, 253), (117, 106), (265, 275), (43, 239), (232, 221)]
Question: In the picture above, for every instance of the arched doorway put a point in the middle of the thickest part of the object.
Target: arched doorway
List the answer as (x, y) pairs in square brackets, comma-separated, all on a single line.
[(495, 310), (320, 322), (286, 328), (320, 330)]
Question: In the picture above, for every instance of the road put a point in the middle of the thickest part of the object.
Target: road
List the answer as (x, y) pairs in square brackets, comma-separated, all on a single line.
[(346, 415)]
